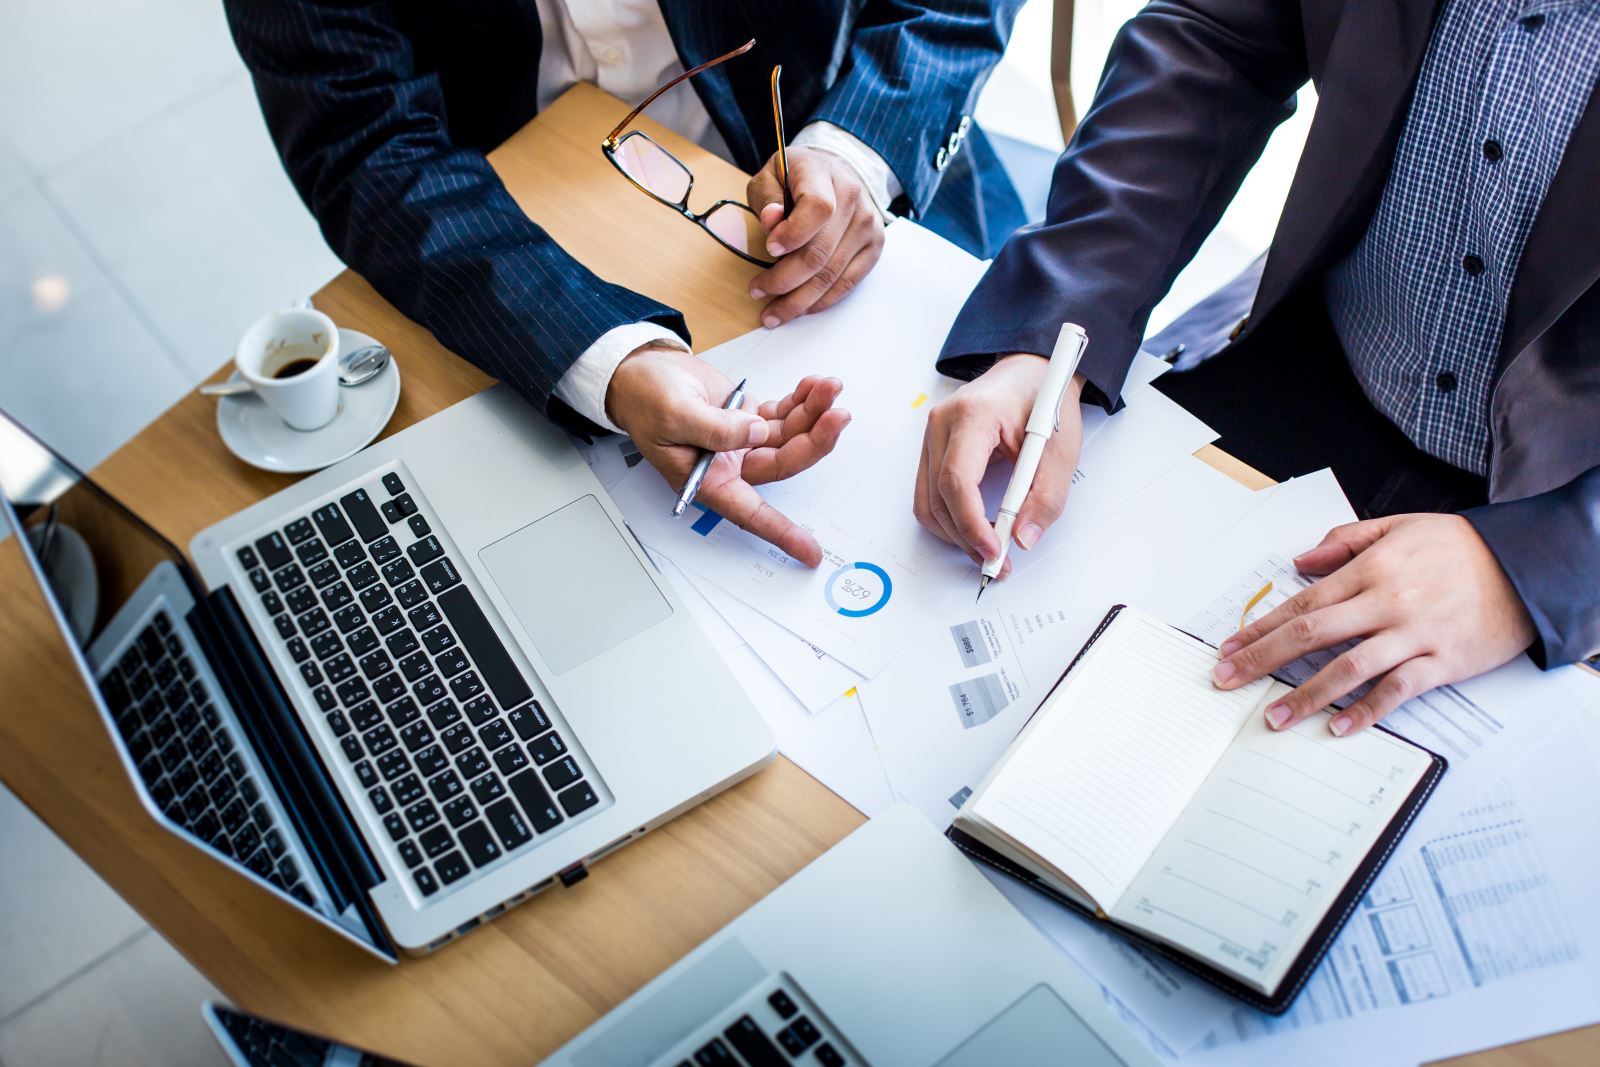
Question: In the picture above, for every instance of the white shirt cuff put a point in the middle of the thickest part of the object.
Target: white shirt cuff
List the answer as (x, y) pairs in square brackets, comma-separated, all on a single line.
[(882, 185), (583, 387)]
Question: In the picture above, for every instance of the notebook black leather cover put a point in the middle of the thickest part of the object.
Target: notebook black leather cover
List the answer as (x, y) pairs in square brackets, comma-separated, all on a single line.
[(1322, 938)]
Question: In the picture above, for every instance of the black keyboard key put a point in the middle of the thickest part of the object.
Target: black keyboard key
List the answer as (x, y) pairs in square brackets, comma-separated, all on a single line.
[(419, 526), (337, 596), (451, 867), (349, 619), (488, 788), (393, 484), (578, 798), (432, 760), (466, 686), (529, 720), (393, 764), (427, 885), (150, 644), (247, 558), (410, 854), (365, 774), (425, 617), (311, 674), (714, 1054), (323, 574), (547, 748), (485, 647), (384, 549), (422, 815), (285, 625), (331, 524), (440, 575), (446, 786), (460, 811), (326, 644), (425, 551), (362, 576), (274, 550), (438, 640), (806, 1030), (402, 644), (444, 713), (403, 712), (411, 594), (510, 759), (353, 691), (535, 800), (311, 552), (480, 710), (352, 748), (298, 531), (365, 715), (452, 663), (314, 622), (752, 1043), (479, 846), (257, 860), (417, 735), (368, 523), (363, 641), (374, 598), (408, 790), (379, 740), (289, 578), (783, 1004), (301, 601), (508, 823), (288, 871), (436, 842), (272, 602), (562, 773), (398, 572), (380, 800), (350, 554), (339, 668), (390, 687), (472, 763), (376, 664), (457, 738), (389, 619), (429, 689), (338, 723), (415, 666), (234, 816), (396, 826)]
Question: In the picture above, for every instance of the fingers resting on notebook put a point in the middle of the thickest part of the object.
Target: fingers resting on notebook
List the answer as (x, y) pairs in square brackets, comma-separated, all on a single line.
[(1422, 597)]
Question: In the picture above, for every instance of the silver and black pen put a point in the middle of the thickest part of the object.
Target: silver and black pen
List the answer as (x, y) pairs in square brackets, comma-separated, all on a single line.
[(703, 464)]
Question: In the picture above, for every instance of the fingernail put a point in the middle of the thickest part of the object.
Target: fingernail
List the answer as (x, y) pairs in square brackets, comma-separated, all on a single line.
[(1277, 715), (770, 322), (775, 249), (757, 294), (1230, 646), (1224, 672), (1028, 535), (1340, 726), (758, 432)]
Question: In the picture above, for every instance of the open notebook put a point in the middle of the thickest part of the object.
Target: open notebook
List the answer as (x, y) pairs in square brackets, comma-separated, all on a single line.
[(1140, 793)]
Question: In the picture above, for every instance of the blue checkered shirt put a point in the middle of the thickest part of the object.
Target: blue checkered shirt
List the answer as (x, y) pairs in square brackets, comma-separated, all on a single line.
[(1420, 304)]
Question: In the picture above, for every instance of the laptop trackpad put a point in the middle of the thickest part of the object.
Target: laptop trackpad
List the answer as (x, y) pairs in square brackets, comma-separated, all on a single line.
[(574, 584), (1037, 1028)]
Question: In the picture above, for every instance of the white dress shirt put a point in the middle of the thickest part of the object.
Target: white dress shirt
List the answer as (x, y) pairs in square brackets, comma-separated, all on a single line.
[(623, 47)]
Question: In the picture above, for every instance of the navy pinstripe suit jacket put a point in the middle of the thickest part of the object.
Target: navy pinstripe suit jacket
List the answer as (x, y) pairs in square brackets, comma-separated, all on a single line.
[(382, 111)]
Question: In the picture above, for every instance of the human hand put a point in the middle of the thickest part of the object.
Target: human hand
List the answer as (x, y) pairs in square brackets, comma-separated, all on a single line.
[(670, 403), (985, 418), (1424, 593), (829, 242)]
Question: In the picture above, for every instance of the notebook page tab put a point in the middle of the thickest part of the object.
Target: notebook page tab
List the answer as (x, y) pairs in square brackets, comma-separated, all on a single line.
[(1105, 768), (1268, 842)]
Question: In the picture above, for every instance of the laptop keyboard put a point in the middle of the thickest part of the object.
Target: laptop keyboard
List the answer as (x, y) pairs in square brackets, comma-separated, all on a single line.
[(771, 1026), (269, 1045), (459, 761), (189, 758)]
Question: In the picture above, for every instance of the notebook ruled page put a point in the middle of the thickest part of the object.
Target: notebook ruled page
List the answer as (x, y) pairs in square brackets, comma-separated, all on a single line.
[(1268, 843), (1107, 767)]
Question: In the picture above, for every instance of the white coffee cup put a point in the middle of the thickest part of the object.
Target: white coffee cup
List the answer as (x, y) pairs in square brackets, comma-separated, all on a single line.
[(291, 360)]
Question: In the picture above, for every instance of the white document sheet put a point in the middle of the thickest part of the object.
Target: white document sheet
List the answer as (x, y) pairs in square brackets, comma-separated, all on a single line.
[(951, 703)]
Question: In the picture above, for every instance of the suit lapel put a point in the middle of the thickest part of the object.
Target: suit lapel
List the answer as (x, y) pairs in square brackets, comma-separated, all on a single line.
[(1561, 260), (700, 31), (1371, 67)]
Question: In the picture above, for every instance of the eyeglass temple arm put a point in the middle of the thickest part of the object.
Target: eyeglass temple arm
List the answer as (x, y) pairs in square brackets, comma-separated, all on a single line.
[(611, 138)]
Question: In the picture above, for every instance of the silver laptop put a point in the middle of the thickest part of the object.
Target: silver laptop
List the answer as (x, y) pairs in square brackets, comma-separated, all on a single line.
[(406, 692), (250, 1041), (889, 949)]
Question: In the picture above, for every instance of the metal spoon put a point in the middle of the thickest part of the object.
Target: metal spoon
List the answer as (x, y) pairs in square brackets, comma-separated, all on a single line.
[(355, 367)]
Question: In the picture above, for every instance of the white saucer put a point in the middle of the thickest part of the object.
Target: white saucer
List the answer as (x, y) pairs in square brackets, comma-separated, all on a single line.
[(254, 434)]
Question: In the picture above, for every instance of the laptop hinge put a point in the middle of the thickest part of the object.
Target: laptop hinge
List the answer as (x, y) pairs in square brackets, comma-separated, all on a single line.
[(302, 780)]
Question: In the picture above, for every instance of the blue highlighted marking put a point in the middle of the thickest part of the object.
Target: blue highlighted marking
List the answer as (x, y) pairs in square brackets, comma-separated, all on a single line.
[(706, 522), (854, 588)]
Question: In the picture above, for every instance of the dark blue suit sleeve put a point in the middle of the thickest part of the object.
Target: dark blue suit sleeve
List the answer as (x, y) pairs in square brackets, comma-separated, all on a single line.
[(911, 73), (1190, 93), (1549, 546), (363, 134)]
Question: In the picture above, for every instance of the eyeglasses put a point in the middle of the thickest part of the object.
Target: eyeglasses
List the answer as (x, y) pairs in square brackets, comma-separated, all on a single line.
[(658, 174)]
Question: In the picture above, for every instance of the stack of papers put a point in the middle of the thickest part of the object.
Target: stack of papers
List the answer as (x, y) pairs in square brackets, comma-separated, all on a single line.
[(881, 678)]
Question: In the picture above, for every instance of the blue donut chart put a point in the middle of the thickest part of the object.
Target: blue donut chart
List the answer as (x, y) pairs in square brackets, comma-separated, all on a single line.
[(859, 613)]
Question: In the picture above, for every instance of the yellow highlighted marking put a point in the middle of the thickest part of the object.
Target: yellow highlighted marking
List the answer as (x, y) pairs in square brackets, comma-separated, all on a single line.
[(922, 398), (1249, 605), (850, 692)]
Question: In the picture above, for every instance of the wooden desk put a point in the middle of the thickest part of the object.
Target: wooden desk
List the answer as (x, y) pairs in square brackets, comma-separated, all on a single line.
[(516, 989)]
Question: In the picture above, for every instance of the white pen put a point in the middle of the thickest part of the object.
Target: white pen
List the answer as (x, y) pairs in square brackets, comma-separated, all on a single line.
[(703, 464), (1043, 421)]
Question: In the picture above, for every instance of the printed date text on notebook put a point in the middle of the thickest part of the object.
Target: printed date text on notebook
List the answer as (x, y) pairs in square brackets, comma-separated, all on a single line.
[(1144, 795)]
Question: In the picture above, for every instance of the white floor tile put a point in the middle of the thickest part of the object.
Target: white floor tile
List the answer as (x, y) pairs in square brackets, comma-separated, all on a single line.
[(73, 74), (138, 1008), (77, 364), (56, 915), (193, 212)]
